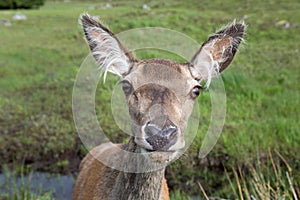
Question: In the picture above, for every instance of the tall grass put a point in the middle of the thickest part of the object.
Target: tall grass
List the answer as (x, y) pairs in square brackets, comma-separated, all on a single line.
[(273, 179)]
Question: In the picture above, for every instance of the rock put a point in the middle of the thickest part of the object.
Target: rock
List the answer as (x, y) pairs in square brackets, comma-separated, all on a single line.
[(19, 16), (5, 22), (106, 6), (146, 7), (245, 17), (283, 23), (91, 8)]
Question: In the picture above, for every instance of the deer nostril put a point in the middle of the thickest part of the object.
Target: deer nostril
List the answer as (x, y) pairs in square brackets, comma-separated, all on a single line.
[(151, 130), (169, 132), (160, 139)]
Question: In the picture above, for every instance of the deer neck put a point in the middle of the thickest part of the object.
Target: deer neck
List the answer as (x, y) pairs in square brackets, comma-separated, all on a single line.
[(142, 186)]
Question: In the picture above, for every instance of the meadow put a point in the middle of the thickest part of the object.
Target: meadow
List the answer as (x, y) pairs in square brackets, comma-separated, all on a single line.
[(258, 151)]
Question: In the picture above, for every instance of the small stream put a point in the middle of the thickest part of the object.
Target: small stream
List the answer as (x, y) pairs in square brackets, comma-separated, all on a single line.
[(38, 182), (59, 185)]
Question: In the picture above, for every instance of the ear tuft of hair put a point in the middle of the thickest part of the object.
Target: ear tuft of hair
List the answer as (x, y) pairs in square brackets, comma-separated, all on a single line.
[(88, 21), (234, 30), (111, 55)]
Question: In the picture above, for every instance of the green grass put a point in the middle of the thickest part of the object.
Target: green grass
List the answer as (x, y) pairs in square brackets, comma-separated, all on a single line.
[(39, 59), (23, 192)]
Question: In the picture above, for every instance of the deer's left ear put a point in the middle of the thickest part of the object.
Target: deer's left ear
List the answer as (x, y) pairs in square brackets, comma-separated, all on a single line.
[(106, 48), (217, 52)]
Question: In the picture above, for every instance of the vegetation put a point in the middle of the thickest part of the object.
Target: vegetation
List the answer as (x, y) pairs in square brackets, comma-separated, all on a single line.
[(23, 192), (40, 57), (273, 182), (16, 4)]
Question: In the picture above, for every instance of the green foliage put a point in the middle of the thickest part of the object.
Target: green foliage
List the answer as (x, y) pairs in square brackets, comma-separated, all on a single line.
[(16, 4), (179, 195)]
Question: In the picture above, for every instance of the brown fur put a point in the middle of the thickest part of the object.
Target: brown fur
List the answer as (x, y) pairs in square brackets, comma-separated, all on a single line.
[(97, 181)]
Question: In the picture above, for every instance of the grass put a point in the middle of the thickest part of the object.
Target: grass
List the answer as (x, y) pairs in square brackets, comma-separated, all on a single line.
[(277, 182), (12, 191), (271, 178), (40, 57)]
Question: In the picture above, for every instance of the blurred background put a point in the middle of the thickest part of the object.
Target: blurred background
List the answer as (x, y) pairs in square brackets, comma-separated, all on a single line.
[(42, 47)]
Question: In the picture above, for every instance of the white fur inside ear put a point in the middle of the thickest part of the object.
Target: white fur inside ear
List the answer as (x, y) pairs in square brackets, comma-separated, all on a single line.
[(205, 66), (107, 52)]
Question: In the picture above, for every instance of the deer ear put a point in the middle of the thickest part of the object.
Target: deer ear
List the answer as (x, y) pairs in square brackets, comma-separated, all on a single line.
[(217, 52), (105, 46)]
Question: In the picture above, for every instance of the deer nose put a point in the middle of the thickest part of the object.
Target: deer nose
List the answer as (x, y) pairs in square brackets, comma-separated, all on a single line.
[(160, 139)]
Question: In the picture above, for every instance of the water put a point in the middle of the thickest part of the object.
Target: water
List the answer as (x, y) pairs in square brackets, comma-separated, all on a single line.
[(59, 185)]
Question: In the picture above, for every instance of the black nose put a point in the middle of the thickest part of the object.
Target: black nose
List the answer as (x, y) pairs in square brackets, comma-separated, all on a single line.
[(160, 139)]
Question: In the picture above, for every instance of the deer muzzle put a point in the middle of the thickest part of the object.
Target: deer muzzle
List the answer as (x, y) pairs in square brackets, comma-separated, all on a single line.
[(160, 139)]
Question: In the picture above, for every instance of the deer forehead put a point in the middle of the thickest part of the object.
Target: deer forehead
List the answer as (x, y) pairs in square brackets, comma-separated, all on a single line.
[(165, 73)]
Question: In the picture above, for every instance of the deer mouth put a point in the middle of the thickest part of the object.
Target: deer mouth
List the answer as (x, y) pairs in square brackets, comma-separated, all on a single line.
[(143, 150), (160, 156)]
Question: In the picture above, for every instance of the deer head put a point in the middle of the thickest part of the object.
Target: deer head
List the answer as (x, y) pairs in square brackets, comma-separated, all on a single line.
[(161, 93)]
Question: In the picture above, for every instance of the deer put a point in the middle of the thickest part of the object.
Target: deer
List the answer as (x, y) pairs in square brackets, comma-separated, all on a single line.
[(160, 95)]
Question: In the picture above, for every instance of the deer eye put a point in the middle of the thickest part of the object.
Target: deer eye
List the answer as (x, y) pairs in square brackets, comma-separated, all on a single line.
[(127, 87), (196, 91)]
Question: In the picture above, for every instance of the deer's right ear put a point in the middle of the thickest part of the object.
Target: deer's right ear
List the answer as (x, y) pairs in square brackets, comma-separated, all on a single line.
[(105, 46)]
